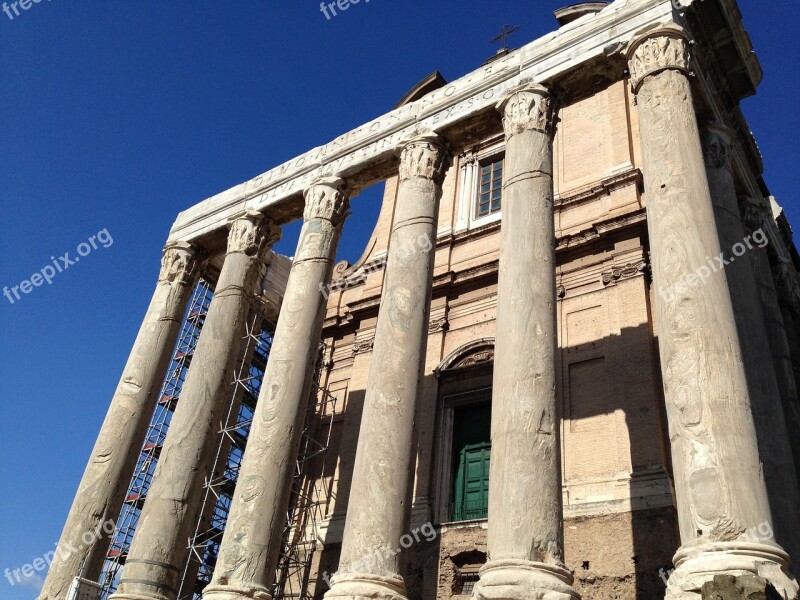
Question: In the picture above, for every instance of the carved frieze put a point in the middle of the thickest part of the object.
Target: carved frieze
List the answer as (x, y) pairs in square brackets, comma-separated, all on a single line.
[(364, 345), (478, 358), (530, 107), (425, 156), (327, 198), (656, 51), (717, 147), (253, 234), (624, 272), (180, 263), (441, 324), (754, 216)]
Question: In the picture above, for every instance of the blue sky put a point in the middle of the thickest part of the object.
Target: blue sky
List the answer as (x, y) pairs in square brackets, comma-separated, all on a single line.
[(117, 115)]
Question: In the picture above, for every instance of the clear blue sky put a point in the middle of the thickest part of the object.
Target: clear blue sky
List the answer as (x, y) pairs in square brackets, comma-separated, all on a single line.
[(117, 115)]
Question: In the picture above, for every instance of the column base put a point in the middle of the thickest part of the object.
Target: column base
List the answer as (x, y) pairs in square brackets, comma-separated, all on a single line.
[(138, 596), (524, 580), (235, 592), (697, 565), (362, 586)]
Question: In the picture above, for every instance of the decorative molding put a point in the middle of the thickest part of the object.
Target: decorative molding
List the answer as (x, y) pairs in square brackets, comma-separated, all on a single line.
[(717, 146), (624, 272), (530, 107), (787, 285), (327, 198), (662, 49), (441, 324), (474, 353), (180, 263), (604, 187), (364, 345), (425, 156), (252, 233), (754, 216)]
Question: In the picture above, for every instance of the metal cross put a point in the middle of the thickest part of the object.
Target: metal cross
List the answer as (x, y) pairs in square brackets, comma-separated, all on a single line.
[(503, 37)]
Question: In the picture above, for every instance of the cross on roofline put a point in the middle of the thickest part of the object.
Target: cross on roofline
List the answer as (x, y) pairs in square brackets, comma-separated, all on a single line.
[(504, 34)]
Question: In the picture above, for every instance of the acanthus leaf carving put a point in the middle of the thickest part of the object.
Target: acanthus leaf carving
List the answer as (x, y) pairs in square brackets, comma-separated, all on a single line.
[(530, 107), (180, 263), (656, 51), (425, 156), (327, 198), (253, 234), (717, 148)]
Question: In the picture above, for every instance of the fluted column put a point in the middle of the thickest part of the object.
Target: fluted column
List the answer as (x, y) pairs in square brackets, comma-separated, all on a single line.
[(526, 536), (765, 395), (378, 509), (720, 491), (160, 543), (102, 489), (254, 531)]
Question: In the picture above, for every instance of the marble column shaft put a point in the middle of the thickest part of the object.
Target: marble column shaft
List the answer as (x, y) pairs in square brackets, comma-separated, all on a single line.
[(721, 494), (765, 395), (378, 507), (526, 537), (101, 492), (159, 546), (253, 536)]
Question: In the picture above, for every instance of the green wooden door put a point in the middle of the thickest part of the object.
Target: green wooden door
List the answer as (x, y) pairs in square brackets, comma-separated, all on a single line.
[(471, 451), (472, 482)]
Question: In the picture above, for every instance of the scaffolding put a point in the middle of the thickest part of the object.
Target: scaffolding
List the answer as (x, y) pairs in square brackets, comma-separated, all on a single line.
[(310, 495), (230, 445), (156, 433)]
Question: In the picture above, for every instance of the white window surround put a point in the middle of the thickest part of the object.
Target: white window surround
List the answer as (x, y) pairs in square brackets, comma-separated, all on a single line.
[(469, 184)]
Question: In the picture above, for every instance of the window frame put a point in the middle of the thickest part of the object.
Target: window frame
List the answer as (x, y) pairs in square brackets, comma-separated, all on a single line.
[(450, 402), (483, 162)]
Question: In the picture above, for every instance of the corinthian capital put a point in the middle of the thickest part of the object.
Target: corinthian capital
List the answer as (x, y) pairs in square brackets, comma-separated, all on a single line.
[(754, 215), (327, 198), (658, 50), (180, 263), (252, 233), (530, 107), (425, 156), (716, 140)]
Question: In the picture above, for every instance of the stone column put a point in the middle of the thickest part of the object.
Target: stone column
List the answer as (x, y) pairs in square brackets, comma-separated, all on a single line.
[(378, 508), (101, 492), (254, 532), (526, 536), (765, 396), (160, 543), (720, 492)]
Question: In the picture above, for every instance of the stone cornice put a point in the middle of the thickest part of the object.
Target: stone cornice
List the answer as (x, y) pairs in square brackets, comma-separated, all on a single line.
[(372, 146), (601, 188)]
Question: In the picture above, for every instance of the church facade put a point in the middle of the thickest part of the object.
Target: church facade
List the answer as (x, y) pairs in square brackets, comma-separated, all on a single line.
[(565, 366)]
